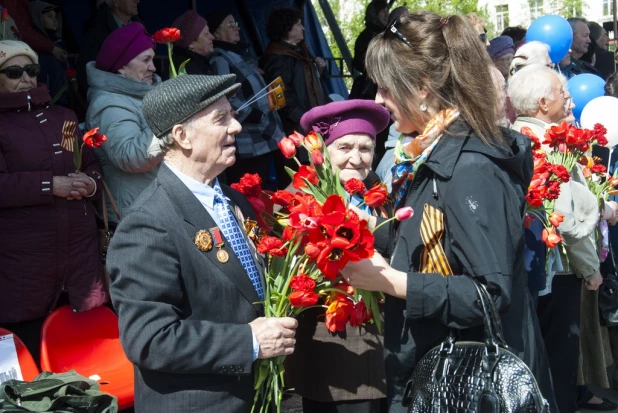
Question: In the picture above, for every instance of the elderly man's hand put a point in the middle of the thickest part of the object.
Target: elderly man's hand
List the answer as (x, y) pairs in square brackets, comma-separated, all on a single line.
[(274, 335), (63, 187)]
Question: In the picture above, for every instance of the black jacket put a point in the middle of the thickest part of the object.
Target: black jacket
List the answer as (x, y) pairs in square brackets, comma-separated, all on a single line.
[(480, 190), (605, 62), (198, 64), (183, 315), (296, 97)]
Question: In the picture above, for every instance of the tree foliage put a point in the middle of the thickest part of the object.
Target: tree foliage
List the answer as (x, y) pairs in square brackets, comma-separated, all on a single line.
[(568, 8)]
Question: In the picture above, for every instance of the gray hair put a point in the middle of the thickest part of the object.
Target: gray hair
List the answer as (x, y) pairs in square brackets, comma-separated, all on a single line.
[(166, 141), (574, 20), (531, 53), (529, 85)]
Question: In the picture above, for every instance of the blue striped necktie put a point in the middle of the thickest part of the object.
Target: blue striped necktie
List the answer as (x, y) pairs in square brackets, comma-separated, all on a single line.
[(237, 241)]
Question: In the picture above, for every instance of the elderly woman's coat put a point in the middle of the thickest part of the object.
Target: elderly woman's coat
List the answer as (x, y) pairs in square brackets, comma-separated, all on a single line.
[(48, 244), (131, 155)]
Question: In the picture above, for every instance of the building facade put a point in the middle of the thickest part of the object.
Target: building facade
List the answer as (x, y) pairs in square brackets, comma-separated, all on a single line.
[(504, 13)]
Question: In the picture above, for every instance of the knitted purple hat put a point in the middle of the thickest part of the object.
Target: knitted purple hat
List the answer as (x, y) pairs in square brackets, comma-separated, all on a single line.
[(338, 119), (190, 25), (500, 46), (122, 45)]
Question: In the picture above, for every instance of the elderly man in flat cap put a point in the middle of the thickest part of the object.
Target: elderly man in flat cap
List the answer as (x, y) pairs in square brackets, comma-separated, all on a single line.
[(186, 280)]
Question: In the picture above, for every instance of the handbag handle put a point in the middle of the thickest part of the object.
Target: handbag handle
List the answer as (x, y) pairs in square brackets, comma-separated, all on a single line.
[(112, 201), (493, 325)]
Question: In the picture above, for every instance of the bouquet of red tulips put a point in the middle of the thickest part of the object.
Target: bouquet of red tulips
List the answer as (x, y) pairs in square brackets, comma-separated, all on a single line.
[(313, 237)]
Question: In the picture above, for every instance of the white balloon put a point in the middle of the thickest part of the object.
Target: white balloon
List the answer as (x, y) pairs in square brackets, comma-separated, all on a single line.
[(603, 110)]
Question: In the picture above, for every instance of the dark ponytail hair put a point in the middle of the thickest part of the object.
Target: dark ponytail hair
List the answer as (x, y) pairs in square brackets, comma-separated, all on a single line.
[(445, 56)]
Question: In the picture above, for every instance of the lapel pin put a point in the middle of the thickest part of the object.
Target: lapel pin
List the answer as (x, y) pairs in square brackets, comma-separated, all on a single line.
[(203, 240), (222, 254)]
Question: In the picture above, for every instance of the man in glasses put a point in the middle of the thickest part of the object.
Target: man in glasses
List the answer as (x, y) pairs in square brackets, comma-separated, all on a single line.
[(261, 127)]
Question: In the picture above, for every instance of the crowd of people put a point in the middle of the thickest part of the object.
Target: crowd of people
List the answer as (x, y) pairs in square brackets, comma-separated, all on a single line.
[(439, 109)]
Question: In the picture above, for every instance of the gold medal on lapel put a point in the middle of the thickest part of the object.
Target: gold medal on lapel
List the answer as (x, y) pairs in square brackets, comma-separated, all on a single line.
[(222, 254), (203, 240)]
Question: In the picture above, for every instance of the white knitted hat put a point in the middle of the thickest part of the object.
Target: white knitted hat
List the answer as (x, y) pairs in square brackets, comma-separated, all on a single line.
[(12, 48)]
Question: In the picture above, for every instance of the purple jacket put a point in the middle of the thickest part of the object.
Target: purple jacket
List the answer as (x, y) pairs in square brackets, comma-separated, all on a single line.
[(47, 244)]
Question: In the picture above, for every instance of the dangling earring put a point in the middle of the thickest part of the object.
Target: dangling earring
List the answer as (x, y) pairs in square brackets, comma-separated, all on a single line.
[(423, 107)]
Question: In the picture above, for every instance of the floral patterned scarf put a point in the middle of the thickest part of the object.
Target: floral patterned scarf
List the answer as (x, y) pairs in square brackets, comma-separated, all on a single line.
[(411, 154)]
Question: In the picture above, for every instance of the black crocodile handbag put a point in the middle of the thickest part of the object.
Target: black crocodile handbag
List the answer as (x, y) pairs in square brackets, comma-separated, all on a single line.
[(467, 376)]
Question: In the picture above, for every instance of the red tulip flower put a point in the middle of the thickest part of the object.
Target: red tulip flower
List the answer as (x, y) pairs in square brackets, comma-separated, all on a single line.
[(303, 298), (70, 73), (550, 238), (287, 147), (93, 138), (297, 138), (5, 14), (376, 196), (556, 218), (317, 157), (305, 172), (167, 35)]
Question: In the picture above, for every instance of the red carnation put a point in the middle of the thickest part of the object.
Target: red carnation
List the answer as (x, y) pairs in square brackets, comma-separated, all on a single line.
[(598, 169), (561, 172), (302, 282), (303, 298), (272, 246), (354, 186), (249, 185), (167, 35)]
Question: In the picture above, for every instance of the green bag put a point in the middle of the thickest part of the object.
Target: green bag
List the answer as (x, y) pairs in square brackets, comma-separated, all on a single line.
[(58, 393)]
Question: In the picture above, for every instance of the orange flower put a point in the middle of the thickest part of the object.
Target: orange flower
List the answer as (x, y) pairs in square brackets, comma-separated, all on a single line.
[(94, 139), (313, 141), (550, 238), (338, 313), (556, 218), (167, 35)]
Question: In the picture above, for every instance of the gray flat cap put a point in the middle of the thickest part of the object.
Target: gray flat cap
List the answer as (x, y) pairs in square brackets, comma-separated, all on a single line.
[(176, 100)]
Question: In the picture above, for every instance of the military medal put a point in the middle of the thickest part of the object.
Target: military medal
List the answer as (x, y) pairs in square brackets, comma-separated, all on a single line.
[(203, 240), (222, 254)]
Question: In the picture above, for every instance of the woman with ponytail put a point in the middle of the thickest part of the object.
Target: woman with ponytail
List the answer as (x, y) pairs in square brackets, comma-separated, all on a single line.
[(466, 179)]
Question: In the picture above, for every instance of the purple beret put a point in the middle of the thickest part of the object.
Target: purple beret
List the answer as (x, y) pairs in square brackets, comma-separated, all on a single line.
[(500, 46), (338, 119), (122, 46), (190, 25)]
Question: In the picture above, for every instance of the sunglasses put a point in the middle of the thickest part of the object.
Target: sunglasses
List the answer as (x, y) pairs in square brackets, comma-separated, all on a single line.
[(483, 37), (15, 72)]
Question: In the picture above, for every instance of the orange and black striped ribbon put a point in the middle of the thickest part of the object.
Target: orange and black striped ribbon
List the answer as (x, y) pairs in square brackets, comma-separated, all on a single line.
[(433, 257), (68, 135)]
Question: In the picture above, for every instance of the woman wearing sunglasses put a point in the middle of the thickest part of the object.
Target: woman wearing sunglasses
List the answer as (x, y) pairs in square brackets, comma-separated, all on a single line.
[(465, 178), (49, 252)]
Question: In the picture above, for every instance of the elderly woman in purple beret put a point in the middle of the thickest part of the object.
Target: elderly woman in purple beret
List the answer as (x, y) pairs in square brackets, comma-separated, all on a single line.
[(120, 77), (343, 371)]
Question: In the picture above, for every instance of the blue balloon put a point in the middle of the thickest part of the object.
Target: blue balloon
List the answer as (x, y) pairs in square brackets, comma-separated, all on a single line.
[(554, 31), (584, 88)]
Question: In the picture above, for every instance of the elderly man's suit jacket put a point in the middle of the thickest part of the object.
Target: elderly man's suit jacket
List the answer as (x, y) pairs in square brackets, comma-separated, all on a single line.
[(183, 314)]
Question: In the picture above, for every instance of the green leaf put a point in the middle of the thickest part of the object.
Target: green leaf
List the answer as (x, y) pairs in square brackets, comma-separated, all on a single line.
[(181, 69)]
